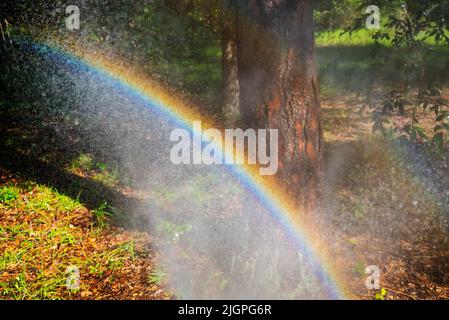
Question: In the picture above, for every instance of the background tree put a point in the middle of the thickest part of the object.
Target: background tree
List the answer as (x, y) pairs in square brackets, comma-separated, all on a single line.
[(231, 94)]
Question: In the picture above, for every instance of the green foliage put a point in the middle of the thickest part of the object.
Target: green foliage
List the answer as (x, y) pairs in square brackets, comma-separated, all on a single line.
[(177, 42), (44, 198), (8, 194), (83, 162), (98, 171), (382, 294), (430, 101), (415, 25), (101, 215), (172, 230), (339, 37), (359, 268), (106, 177), (157, 277), (335, 14)]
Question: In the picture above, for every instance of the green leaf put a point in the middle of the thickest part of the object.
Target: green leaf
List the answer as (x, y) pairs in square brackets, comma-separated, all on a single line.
[(421, 133), (438, 139), (446, 126)]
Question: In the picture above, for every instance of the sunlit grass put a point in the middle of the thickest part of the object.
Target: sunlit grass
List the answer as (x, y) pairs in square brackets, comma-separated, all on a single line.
[(84, 162), (86, 165), (157, 277), (362, 37), (43, 198), (8, 194), (40, 238)]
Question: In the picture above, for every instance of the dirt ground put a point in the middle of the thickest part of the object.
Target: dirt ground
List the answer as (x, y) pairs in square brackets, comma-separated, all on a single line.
[(388, 206), (385, 204)]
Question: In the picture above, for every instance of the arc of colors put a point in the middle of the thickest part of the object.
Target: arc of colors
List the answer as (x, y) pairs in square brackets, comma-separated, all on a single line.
[(168, 105)]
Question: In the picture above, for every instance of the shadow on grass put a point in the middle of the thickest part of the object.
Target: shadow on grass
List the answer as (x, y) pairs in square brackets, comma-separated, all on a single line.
[(361, 69), (20, 158)]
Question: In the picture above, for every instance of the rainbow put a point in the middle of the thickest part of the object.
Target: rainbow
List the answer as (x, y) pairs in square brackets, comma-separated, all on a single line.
[(163, 102)]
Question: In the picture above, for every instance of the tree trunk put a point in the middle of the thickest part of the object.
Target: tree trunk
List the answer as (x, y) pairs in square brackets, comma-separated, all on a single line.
[(230, 107), (279, 90)]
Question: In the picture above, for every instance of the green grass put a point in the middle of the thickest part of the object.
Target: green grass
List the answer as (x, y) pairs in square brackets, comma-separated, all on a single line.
[(47, 199), (107, 177), (20, 288), (359, 268), (8, 194), (83, 162), (109, 260), (36, 198), (362, 37), (40, 241), (157, 277), (30, 279), (97, 171), (101, 215), (172, 230)]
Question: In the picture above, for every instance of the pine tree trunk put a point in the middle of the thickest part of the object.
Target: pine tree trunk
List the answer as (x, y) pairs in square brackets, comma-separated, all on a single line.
[(278, 88), (230, 107)]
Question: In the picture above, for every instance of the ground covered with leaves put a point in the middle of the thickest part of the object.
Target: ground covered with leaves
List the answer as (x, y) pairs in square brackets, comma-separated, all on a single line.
[(43, 234), (386, 205), (63, 204)]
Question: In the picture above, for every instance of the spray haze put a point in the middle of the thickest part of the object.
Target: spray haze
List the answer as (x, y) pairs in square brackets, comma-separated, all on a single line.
[(219, 236), (121, 89)]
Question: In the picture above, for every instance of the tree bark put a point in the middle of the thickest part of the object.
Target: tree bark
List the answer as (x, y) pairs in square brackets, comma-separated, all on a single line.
[(279, 90), (230, 107)]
